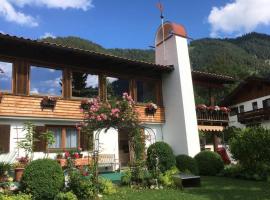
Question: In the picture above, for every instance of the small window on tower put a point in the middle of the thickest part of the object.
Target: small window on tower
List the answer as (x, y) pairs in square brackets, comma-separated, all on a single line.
[(255, 105)]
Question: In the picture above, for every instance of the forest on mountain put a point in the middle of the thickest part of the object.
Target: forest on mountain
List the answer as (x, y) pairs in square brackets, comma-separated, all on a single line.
[(237, 57)]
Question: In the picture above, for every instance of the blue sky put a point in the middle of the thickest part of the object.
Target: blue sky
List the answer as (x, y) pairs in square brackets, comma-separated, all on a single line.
[(131, 24)]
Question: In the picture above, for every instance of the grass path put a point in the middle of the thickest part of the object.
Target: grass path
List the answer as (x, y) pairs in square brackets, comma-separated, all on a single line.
[(213, 188)]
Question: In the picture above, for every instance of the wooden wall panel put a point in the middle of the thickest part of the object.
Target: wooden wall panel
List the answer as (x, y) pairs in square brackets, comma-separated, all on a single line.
[(29, 106), (252, 91)]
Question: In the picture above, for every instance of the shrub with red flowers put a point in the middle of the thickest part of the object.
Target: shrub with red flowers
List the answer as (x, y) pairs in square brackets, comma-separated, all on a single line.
[(151, 109), (48, 102)]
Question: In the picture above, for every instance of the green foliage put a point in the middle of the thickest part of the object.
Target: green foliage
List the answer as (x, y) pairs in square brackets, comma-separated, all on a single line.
[(106, 186), (49, 138), (126, 177), (43, 179), (166, 179), (65, 196), (27, 142), (238, 171), (164, 153), (16, 197), (251, 146), (83, 187), (4, 169), (209, 163), (187, 164)]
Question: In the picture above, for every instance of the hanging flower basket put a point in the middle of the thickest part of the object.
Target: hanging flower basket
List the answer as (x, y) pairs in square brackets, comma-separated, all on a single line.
[(48, 102), (85, 104), (150, 109)]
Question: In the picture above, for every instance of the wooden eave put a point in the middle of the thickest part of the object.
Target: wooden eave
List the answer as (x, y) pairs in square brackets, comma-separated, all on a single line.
[(36, 50)]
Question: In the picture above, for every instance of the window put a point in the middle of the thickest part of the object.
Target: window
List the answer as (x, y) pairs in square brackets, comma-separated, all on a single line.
[(71, 138), (266, 103), (254, 105), (65, 137), (116, 87), (84, 85), (234, 111), (58, 138), (242, 109), (5, 76), (45, 81), (146, 92)]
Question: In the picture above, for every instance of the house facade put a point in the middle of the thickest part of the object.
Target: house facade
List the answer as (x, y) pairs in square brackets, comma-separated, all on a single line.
[(250, 103), (33, 71)]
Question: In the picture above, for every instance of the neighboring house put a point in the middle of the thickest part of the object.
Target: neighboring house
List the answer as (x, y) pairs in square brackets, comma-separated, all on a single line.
[(250, 103), (32, 70)]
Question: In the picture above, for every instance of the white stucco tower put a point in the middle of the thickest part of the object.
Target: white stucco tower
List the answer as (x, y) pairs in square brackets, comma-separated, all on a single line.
[(180, 129)]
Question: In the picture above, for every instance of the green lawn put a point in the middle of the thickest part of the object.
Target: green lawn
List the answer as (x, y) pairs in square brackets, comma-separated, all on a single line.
[(213, 188)]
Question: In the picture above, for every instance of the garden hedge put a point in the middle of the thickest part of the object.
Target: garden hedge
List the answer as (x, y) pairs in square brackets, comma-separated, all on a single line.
[(43, 179), (209, 163), (186, 163), (164, 153)]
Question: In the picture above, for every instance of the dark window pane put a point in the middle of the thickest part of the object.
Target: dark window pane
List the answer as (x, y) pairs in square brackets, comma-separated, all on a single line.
[(146, 92), (5, 76), (84, 85), (116, 87), (242, 109), (45, 81), (255, 105), (234, 111)]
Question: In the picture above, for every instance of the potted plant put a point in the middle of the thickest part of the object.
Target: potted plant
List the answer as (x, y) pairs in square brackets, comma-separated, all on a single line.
[(151, 109), (48, 102), (19, 167)]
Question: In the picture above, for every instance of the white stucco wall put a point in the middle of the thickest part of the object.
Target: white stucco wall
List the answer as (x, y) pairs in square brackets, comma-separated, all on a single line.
[(180, 129), (233, 121)]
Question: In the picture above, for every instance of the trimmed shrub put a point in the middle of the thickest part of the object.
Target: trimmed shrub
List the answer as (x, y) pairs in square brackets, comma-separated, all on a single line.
[(65, 196), (187, 164), (209, 163), (43, 179), (164, 153)]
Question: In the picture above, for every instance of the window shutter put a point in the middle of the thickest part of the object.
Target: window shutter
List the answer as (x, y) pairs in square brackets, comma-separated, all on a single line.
[(39, 144), (4, 138)]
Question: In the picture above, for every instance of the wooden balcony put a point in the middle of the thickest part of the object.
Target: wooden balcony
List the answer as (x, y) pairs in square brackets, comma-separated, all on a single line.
[(212, 118), (254, 116)]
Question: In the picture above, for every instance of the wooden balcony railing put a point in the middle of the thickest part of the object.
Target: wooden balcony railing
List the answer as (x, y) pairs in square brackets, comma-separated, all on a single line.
[(212, 118), (254, 116)]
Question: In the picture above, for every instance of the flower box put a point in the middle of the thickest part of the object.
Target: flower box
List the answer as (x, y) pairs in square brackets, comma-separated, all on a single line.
[(48, 102), (78, 162), (150, 109)]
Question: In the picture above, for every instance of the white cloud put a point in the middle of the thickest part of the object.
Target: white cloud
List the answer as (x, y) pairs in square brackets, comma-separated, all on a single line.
[(34, 91), (239, 16), (62, 4), (10, 14), (8, 9), (47, 35), (5, 71), (92, 80)]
